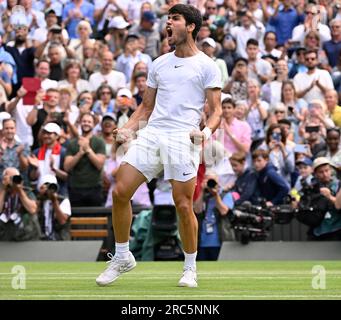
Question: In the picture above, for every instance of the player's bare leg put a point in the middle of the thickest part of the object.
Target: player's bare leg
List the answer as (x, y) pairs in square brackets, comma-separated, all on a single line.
[(188, 228), (128, 180)]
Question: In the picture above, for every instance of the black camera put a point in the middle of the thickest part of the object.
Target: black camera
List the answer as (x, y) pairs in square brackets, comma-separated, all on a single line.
[(17, 179), (211, 183), (52, 187), (251, 222), (241, 13)]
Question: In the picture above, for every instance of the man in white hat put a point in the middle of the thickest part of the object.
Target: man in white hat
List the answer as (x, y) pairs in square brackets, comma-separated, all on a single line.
[(54, 210), (49, 158), (209, 47), (124, 104), (330, 227)]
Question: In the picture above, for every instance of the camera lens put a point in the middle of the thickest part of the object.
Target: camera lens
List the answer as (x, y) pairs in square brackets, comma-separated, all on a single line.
[(17, 179), (52, 187), (211, 183)]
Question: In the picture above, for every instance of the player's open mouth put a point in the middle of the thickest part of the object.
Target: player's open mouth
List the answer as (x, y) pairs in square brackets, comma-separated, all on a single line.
[(169, 32)]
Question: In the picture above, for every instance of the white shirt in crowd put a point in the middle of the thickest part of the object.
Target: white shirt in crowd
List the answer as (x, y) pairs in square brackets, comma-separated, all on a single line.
[(181, 84), (299, 32), (115, 79), (303, 80)]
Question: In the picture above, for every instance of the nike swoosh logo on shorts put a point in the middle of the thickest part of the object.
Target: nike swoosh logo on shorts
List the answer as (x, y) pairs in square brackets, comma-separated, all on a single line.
[(178, 66)]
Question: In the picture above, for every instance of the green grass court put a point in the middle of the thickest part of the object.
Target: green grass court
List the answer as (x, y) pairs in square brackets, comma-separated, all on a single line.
[(157, 280)]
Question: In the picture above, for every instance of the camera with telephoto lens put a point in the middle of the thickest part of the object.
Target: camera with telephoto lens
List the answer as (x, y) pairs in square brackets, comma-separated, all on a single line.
[(211, 184), (252, 222), (52, 187), (312, 206)]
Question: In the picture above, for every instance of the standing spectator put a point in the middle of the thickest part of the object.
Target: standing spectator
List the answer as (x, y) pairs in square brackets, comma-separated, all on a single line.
[(257, 114), (107, 75), (18, 218), (54, 54), (237, 85), (258, 68), (23, 55), (54, 210), (108, 124), (270, 43), (315, 82), (12, 153), (209, 47), (149, 30), (35, 18), (105, 100), (311, 23), (125, 105), (333, 46), (74, 12), (49, 112), (285, 19), (84, 162), (236, 134), (250, 28), (130, 56), (297, 63), (49, 158)]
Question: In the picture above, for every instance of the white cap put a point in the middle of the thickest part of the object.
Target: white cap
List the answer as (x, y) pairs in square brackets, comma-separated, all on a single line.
[(52, 128), (225, 96), (210, 42), (4, 116), (320, 162), (48, 178), (124, 92), (118, 22)]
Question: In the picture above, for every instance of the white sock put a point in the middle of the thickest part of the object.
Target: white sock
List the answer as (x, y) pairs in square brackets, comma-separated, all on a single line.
[(190, 260), (122, 250)]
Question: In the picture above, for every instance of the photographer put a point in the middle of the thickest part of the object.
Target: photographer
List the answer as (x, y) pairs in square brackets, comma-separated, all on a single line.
[(18, 218), (53, 210), (216, 206), (330, 227)]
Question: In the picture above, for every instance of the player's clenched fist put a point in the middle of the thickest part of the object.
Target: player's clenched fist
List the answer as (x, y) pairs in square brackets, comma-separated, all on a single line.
[(123, 135)]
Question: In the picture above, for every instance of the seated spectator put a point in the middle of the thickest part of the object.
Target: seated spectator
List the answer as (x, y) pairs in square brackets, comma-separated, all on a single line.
[(54, 210), (18, 209), (241, 110), (313, 136), (333, 46), (305, 173), (116, 33), (49, 158), (54, 54), (108, 124), (271, 186), (312, 42), (139, 81), (85, 157), (297, 63), (270, 43), (13, 154)]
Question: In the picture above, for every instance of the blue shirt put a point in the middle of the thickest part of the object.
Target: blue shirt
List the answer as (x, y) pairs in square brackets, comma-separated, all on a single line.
[(87, 10), (284, 22), (212, 239), (332, 50)]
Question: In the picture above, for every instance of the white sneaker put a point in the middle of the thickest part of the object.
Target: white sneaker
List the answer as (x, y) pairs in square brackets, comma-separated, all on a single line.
[(115, 269), (189, 278)]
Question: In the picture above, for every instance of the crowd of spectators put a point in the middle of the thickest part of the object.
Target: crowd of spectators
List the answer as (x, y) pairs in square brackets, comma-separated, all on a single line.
[(280, 64)]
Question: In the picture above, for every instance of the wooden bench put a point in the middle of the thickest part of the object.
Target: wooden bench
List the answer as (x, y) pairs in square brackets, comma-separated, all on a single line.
[(83, 230)]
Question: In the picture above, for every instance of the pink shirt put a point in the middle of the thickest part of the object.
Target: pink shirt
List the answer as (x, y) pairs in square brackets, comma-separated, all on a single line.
[(240, 129)]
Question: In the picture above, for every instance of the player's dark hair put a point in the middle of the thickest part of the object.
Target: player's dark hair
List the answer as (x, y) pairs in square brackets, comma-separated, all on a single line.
[(191, 15)]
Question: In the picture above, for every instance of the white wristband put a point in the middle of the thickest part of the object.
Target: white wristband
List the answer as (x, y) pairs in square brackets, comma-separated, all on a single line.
[(207, 132)]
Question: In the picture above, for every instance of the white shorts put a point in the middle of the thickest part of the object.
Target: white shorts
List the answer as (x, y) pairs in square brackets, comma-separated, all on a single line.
[(155, 151)]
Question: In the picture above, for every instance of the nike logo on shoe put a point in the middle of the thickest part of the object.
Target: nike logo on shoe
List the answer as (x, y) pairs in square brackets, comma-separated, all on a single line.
[(181, 65)]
